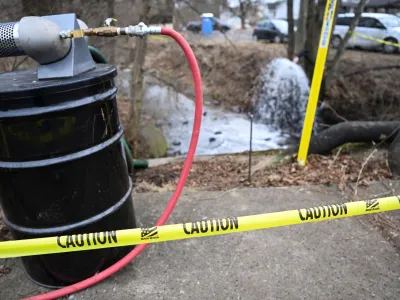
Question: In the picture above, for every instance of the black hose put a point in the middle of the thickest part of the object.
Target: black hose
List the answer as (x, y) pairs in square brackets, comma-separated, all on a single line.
[(97, 56)]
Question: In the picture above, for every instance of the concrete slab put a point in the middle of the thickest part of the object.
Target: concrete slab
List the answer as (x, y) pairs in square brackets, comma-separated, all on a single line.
[(341, 259)]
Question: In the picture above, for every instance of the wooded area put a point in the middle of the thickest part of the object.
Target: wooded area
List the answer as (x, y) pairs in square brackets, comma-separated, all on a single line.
[(125, 52)]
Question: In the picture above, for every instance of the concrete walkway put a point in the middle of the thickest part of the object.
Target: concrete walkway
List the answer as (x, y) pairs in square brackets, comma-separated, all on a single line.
[(341, 259)]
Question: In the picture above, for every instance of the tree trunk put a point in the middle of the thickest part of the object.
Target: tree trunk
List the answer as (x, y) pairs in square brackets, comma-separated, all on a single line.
[(111, 14), (137, 83), (353, 132), (291, 42), (242, 15), (314, 24), (331, 73), (301, 33)]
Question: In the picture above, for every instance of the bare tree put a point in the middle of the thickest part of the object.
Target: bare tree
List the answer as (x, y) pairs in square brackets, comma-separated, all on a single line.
[(315, 16), (301, 32), (137, 82), (291, 44), (111, 14), (347, 131), (246, 7), (343, 43)]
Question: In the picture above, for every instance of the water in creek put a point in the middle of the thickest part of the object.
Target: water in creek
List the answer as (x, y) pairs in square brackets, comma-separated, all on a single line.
[(278, 108), (221, 131)]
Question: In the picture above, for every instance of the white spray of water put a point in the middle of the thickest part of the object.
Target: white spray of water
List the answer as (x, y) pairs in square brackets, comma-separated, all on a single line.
[(282, 100)]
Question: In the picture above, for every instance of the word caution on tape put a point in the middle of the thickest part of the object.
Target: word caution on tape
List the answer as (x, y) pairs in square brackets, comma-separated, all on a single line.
[(203, 228)]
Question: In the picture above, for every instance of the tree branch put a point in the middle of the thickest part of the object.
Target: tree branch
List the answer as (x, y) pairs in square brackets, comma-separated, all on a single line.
[(191, 6), (291, 42), (343, 43)]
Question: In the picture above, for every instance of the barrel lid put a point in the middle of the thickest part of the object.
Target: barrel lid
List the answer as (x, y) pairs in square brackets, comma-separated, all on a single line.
[(24, 84)]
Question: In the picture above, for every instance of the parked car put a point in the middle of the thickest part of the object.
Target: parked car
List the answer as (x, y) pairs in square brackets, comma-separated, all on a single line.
[(218, 25), (194, 26), (374, 25), (273, 30)]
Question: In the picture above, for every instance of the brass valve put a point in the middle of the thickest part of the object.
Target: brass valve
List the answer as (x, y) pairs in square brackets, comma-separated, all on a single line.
[(100, 31), (140, 30)]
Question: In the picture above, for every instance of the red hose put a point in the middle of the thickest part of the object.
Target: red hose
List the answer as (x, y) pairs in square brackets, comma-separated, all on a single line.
[(184, 174)]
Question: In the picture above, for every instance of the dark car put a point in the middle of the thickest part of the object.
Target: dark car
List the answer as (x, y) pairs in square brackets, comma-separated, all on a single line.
[(218, 25), (273, 30)]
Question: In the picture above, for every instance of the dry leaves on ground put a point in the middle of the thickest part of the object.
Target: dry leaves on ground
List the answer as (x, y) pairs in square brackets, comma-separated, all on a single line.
[(227, 172)]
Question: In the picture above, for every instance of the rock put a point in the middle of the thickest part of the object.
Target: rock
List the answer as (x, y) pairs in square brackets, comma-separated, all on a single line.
[(212, 139), (156, 144), (176, 143), (205, 113), (217, 132), (185, 123)]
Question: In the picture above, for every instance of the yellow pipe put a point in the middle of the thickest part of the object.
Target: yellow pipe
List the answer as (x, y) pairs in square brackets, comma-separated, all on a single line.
[(316, 81)]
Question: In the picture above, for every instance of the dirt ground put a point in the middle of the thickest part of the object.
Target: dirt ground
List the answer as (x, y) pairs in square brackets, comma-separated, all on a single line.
[(227, 71), (225, 172), (371, 95)]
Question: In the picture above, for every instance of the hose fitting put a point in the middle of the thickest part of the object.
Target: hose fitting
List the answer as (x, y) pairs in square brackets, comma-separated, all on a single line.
[(140, 30)]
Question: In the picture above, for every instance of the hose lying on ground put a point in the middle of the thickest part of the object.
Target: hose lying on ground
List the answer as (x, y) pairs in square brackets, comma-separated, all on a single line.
[(353, 132)]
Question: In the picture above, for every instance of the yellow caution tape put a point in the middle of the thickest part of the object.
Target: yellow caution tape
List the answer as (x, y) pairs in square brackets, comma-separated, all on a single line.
[(210, 227), (364, 36)]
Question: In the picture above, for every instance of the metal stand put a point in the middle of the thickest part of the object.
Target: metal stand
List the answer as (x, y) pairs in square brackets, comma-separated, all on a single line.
[(77, 61)]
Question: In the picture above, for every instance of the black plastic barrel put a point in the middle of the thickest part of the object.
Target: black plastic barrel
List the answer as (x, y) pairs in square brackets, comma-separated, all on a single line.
[(63, 168)]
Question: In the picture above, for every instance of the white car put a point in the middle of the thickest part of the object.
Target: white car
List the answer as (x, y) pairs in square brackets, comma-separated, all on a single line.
[(371, 26)]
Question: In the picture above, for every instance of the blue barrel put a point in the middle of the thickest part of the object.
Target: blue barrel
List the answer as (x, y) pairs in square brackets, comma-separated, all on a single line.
[(62, 168), (207, 23)]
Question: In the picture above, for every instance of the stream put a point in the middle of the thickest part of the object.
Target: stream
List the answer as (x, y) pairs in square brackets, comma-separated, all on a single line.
[(221, 131), (278, 108)]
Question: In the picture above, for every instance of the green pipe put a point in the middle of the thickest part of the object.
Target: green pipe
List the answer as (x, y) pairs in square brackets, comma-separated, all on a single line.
[(99, 58), (140, 164), (137, 164)]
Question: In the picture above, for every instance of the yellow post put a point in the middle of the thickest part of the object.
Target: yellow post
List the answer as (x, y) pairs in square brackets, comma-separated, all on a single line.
[(316, 81)]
